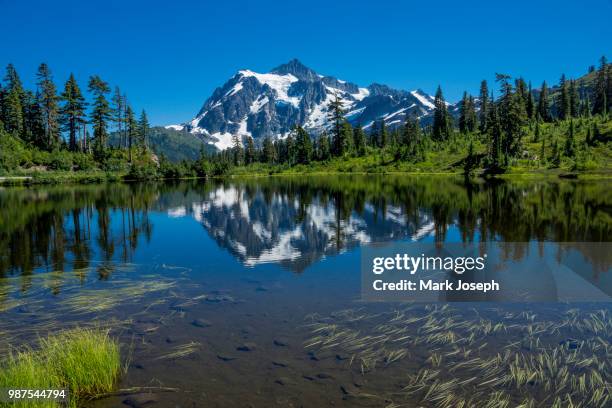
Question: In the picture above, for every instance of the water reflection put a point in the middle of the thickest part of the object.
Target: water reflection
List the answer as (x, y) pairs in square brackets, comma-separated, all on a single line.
[(293, 221)]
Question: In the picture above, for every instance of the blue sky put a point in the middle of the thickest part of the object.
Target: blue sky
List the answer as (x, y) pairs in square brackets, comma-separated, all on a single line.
[(169, 56)]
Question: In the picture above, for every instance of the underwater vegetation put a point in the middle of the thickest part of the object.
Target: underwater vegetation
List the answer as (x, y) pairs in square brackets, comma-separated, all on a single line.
[(469, 359)]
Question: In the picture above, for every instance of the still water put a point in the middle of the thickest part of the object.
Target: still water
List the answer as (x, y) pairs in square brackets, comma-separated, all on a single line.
[(246, 292)]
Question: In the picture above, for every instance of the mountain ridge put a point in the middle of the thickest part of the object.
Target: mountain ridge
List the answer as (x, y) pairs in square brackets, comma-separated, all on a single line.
[(260, 105)]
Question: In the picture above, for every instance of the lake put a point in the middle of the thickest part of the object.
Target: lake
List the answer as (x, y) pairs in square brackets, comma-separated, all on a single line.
[(247, 292)]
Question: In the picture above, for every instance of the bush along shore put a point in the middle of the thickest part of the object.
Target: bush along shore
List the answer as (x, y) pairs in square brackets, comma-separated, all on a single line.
[(564, 130), (86, 362)]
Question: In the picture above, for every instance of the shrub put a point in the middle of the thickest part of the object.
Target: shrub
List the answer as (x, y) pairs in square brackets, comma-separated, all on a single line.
[(61, 160), (83, 161), (12, 152)]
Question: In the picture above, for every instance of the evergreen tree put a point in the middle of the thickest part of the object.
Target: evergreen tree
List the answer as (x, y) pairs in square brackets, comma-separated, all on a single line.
[(602, 85), (374, 134), (484, 106), (336, 116), (131, 129), (48, 106), (250, 152), (13, 103), (324, 147), (530, 104), (237, 150), (72, 113), (463, 113), (268, 151), (543, 108), (359, 141), (33, 128), (470, 161), (495, 137), (512, 115), (563, 99), (555, 156), (570, 144), (383, 134), (303, 146), (143, 130), (441, 121), (100, 113), (412, 140), (472, 121), (586, 107), (574, 99), (536, 133), (118, 114)]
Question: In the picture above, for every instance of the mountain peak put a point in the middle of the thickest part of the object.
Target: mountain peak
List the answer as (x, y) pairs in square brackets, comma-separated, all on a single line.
[(297, 69)]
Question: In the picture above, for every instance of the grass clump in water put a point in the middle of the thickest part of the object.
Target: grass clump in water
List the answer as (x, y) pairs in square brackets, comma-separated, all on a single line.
[(85, 361)]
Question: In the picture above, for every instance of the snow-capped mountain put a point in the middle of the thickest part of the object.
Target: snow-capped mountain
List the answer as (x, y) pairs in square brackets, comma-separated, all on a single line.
[(271, 104)]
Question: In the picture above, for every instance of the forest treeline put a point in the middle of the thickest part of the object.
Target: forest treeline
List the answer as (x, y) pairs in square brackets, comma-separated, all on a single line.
[(489, 132), (45, 129)]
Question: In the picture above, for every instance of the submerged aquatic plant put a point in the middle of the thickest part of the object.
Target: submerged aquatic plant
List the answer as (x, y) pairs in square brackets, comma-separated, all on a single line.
[(511, 359), (87, 362)]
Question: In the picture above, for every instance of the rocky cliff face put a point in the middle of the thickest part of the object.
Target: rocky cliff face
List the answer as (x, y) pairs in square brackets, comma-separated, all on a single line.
[(271, 104)]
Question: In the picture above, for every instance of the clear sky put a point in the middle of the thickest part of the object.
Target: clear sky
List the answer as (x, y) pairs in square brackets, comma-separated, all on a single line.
[(168, 56)]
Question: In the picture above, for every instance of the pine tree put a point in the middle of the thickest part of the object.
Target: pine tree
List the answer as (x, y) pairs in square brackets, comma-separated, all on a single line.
[(324, 147), (543, 108), (383, 134), (512, 115), (268, 151), (441, 121), (484, 106), (49, 107), (237, 150), (495, 137), (470, 160), (72, 113), (359, 141), (33, 128), (530, 104), (336, 116), (555, 155), (303, 146), (563, 99), (143, 131), (536, 133), (602, 85), (250, 152), (471, 115), (373, 136), (412, 140), (463, 113), (118, 114), (13, 103), (131, 129), (570, 145), (100, 113), (574, 100)]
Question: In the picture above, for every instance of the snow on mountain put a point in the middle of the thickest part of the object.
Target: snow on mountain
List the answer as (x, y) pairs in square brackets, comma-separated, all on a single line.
[(261, 105)]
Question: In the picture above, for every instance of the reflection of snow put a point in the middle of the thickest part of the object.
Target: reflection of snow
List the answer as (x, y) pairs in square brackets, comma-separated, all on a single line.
[(283, 250), (177, 212), (423, 231), (279, 228)]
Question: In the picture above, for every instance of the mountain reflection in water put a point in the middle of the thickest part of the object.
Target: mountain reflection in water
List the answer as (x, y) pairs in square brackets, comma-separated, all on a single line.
[(294, 221)]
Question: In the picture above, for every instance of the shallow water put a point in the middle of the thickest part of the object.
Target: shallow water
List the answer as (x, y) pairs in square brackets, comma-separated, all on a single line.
[(247, 292)]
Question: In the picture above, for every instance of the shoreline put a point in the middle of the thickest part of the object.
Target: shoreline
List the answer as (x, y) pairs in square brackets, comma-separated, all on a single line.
[(101, 177)]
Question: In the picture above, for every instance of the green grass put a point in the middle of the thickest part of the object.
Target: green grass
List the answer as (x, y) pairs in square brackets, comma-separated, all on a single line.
[(85, 361)]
